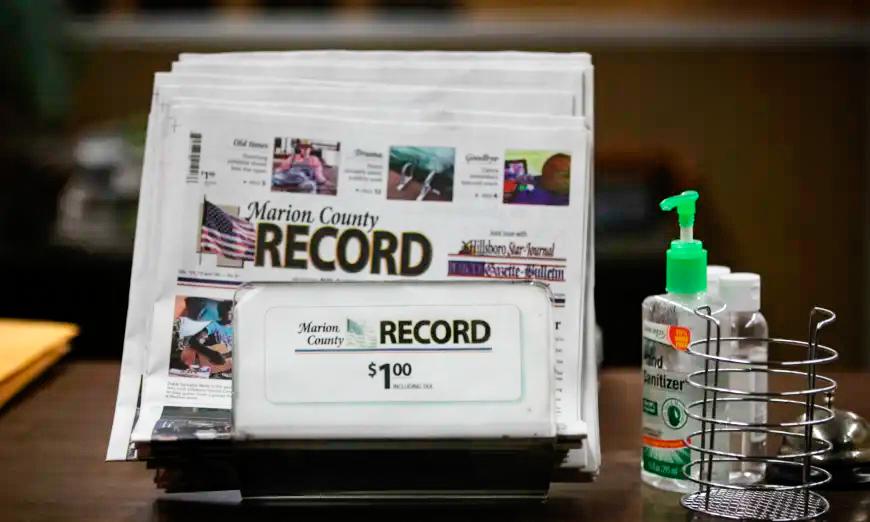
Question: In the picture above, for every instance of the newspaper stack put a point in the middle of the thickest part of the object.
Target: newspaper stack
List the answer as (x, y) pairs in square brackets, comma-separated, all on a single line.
[(341, 165)]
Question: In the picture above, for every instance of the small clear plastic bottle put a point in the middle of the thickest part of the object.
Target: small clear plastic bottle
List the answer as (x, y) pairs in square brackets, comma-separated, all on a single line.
[(741, 293)]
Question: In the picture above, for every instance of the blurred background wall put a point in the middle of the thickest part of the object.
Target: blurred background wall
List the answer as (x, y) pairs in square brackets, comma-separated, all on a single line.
[(762, 106)]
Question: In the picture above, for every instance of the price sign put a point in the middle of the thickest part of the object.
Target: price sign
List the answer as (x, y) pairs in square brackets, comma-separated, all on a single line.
[(393, 354)]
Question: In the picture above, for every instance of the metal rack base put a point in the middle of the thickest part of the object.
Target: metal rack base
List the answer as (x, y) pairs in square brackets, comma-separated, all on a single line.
[(760, 505)]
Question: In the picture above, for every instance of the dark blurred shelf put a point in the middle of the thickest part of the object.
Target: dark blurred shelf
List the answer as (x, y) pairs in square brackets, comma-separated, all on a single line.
[(301, 29)]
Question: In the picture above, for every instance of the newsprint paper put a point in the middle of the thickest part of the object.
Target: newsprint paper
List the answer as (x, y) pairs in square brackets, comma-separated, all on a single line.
[(269, 187)]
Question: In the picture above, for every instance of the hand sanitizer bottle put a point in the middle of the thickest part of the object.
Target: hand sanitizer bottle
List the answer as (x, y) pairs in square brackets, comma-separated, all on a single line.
[(669, 325), (741, 293)]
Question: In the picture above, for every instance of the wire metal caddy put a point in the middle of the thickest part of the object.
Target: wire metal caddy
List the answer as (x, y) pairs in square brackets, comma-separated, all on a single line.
[(764, 500)]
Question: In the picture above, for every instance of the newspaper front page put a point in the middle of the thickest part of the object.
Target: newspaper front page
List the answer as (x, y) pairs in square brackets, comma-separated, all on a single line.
[(396, 201), (399, 102)]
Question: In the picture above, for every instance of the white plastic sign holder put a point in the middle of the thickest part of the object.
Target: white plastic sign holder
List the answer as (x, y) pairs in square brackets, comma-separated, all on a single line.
[(395, 391)]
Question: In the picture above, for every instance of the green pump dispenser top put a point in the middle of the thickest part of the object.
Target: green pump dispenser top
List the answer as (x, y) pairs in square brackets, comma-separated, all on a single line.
[(686, 271)]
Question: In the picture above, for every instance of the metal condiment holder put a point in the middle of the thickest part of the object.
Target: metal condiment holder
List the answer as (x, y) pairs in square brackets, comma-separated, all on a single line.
[(764, 500)]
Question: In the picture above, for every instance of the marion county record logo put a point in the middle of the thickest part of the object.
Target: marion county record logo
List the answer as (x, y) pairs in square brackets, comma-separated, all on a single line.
[(680, 337)]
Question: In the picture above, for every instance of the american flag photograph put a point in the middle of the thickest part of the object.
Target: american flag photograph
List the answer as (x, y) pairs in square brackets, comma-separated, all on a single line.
[(227, 235)]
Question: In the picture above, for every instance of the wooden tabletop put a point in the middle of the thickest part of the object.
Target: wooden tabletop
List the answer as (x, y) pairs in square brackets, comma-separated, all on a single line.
[(53, 441)]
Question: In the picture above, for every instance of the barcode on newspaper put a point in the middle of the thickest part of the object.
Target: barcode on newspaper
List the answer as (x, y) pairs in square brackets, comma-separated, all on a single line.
[(195, 154)]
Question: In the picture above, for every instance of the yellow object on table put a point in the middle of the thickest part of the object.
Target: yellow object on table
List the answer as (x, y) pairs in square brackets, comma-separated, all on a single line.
[(28, 348)]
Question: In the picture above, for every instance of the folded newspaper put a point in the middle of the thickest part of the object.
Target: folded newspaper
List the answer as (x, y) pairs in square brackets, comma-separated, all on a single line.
[(352, 166)]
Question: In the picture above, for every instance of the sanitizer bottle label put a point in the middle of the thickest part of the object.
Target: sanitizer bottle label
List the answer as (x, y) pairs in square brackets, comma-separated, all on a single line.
[(666, 394)]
